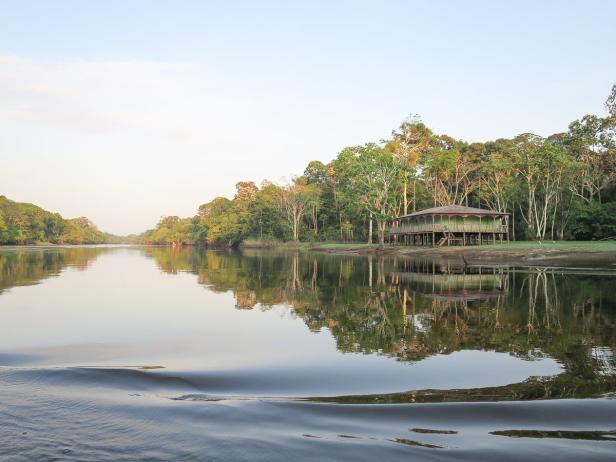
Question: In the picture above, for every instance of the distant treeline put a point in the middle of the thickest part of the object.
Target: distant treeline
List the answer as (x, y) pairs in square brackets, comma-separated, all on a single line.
[(22, 223), (559, 187)]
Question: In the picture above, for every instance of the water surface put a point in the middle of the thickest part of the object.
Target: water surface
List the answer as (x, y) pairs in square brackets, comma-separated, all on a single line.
[(111, 353)]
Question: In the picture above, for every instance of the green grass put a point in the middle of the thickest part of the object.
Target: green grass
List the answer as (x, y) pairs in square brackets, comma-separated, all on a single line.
[(572, 246), (343, 245), (582, 246), (590, 246)]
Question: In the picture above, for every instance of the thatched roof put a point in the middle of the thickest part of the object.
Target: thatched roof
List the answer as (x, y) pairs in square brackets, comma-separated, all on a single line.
[(455, 210)]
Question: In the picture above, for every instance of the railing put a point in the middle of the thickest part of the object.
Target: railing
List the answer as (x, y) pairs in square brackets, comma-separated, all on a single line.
[(453, 281), (486, 227)]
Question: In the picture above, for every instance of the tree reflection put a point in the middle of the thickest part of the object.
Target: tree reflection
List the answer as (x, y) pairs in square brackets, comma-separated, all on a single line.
[(28, 266), (404, 308), (411, 309)]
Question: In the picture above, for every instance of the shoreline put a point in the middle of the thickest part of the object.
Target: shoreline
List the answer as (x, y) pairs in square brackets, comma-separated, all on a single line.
[(571, 254), (574, 254)]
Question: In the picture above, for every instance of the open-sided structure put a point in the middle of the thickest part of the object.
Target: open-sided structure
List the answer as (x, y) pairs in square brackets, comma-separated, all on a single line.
[(449, 282), (451, 224)]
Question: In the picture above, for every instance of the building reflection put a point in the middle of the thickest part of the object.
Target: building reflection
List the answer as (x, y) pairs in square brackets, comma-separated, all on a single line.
[(411, 309)]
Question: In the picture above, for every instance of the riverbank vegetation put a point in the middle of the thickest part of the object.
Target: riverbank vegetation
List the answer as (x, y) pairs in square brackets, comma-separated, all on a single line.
[(559, 187), (23, 223)]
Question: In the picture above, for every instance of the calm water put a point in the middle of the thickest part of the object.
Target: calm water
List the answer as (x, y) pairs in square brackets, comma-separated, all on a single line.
[(163, 354)]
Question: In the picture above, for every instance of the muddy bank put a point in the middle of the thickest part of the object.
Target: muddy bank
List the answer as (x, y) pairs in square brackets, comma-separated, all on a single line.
[(536, 256)]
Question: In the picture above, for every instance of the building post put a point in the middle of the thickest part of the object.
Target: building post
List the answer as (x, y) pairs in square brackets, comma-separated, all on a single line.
[(480, 230), (433, 240)]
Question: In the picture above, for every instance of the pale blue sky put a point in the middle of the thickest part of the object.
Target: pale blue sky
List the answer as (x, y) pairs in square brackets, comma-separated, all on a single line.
[(128, 110)]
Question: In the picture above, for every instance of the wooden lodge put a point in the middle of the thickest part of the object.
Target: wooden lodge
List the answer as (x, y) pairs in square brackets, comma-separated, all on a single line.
[(451, 225), (481, 284)]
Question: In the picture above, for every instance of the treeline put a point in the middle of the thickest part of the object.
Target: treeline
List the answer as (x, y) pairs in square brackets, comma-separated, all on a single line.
[(559, 187), (23, 223)]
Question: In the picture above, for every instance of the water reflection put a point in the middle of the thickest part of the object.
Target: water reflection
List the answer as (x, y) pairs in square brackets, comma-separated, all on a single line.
[(28, 266), (233, 334), (403, 308), (411, 309)]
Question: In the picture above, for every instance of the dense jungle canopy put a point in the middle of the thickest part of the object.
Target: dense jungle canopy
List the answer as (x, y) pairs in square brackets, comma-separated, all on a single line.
[(559, 187), (23, 223)]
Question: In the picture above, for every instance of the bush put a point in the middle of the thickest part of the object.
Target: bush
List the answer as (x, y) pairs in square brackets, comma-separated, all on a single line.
[(594, 222)]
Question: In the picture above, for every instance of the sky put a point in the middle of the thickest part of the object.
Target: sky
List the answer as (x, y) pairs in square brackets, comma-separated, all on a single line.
[(126, 111)]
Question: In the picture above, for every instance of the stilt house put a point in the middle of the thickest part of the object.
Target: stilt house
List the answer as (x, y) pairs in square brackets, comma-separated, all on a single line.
[(451, 225)]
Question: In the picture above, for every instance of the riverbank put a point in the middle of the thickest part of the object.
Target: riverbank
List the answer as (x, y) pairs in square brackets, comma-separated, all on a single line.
[(572, 254)]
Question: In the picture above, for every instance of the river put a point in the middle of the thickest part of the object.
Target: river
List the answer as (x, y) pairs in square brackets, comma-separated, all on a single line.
[(136, 353)]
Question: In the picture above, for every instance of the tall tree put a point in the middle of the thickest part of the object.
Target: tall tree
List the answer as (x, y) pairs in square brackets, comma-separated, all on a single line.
[(376, 181), (295, 200), (591, 143), (610, 103), (497, 180), (410, 142), (542, 164), (448, 169)]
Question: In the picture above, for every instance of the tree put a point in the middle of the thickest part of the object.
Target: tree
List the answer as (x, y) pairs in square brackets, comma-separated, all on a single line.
[(316, 173), (246, 194), (376, 180), (610, 103), (448, 170), (4, 230), (497, 181), (222, 220), (316, 178), (267, 220), (542, 164), (350, 212), (591, 144), (295, 199), (410, 143)]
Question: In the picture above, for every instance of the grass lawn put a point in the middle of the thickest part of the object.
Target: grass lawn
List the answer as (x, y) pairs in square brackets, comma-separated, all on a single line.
[(589, 246), (344, 245)]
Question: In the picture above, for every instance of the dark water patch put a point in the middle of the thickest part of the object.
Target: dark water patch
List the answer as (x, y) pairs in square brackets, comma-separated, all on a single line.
[(408, 442), (18, 359), (161, 429), (97, 378), (433, 431), (250, 384), (563, 386), (198, 397), (564, 434)]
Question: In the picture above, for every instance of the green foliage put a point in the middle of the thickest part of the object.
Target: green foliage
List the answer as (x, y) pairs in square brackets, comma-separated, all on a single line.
[(170, 230), (562, 186), (594, 222), (22, 223)]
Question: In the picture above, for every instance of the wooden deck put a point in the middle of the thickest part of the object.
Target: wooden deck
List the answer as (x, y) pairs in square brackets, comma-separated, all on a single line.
[(485, 227)]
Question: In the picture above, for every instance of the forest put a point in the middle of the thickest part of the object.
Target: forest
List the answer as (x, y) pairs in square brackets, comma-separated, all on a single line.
[(560, 187), (23, 223)]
